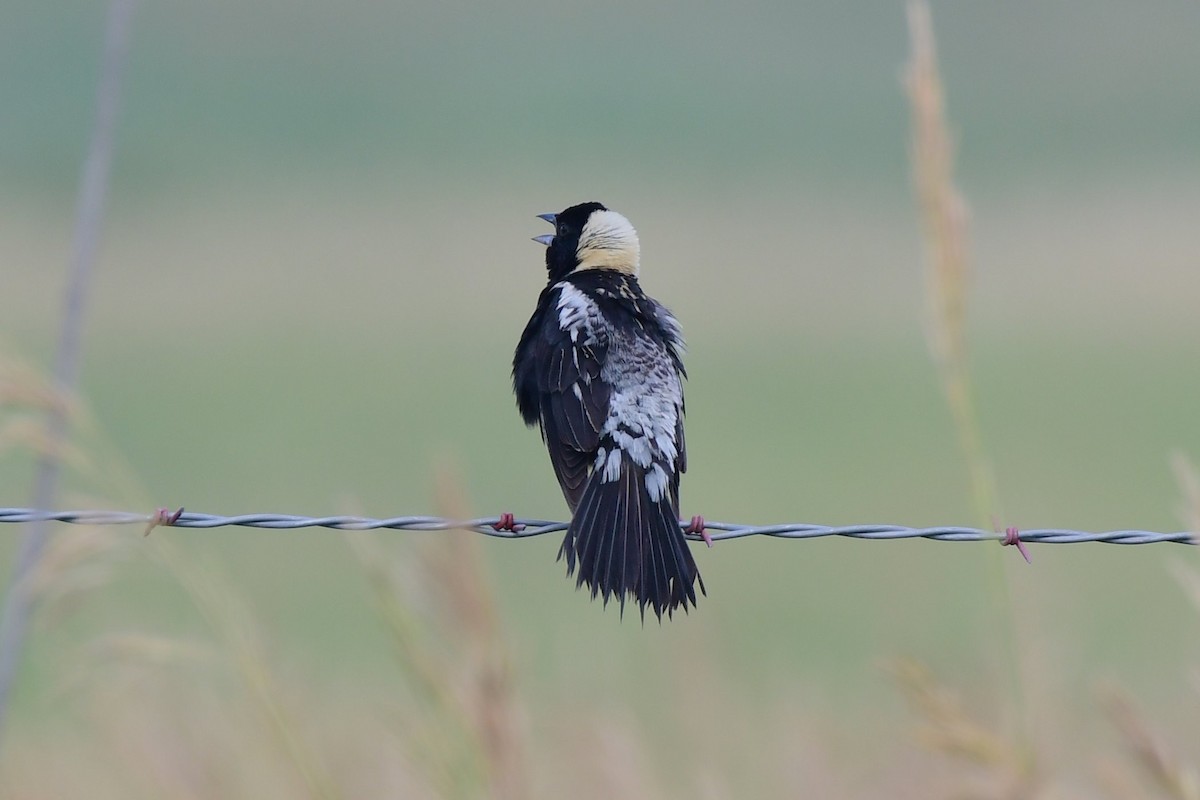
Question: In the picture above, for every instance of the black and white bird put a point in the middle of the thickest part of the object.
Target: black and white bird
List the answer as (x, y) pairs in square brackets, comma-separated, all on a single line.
[(599, 369)]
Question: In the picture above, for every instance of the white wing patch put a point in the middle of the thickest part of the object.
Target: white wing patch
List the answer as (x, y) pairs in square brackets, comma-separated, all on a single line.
[(656, 482), (644, 406), (646, 393), (578, 314), (611, 465)]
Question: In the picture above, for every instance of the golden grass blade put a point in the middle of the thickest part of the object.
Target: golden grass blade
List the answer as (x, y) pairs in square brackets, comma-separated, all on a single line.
[(944, 224), (1008, 770), (1169, 776), (943, 210), (492, 698), (90, 202), (449, 642)]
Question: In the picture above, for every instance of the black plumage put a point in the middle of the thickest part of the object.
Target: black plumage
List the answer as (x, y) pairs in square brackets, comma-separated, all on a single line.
[(599, 369)]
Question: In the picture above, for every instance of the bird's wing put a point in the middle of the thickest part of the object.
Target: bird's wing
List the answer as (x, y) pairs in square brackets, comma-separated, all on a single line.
[(673, 336), (573, 398), (681, 461)]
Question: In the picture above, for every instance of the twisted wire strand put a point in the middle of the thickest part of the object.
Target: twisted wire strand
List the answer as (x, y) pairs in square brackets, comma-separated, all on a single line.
[(718, 531)]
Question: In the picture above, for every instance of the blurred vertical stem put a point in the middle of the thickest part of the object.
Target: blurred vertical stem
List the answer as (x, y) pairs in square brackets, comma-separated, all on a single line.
[(89, 213), (944, 216), (458, 663)]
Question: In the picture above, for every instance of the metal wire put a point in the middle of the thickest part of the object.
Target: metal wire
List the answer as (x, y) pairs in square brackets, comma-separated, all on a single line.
[(536, 527)]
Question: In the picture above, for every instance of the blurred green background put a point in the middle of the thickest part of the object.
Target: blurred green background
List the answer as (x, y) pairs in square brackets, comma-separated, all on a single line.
[(316, 263)]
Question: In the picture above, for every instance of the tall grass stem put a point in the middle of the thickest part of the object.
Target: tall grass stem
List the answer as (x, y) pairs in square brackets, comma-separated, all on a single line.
[(945, 225), (89, 214)]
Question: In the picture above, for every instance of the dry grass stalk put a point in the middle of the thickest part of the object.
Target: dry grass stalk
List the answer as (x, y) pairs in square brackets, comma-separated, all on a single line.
[(76, 564), (1007, 770), (458, 571), (1170, 777), (476, 728), (473, 731), (29, 434), (944, 221), (618, 760), (943, 210), (24, 387), (26, 398), (145, 648), (438, 737), (93, 189), (244, 644), (81, 558)]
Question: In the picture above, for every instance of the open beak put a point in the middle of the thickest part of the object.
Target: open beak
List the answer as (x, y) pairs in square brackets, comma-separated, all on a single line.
[(546, 238)]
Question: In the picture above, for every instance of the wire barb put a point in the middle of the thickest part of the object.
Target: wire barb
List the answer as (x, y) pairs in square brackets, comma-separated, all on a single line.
[(1012, 536), (163, 516), (525, 528)]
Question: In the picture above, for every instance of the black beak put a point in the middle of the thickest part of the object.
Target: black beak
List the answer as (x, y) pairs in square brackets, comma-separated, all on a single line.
[(546, 238)]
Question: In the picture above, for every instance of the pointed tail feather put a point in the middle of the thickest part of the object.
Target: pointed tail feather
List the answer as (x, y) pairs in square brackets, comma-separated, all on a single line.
[(623, 543)]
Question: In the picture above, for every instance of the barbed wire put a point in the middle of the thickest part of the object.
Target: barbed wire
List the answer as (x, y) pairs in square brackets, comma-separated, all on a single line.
[(525, 528)]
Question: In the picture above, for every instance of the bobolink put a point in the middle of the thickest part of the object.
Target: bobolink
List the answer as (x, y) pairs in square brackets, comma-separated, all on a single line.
[(599, 369)]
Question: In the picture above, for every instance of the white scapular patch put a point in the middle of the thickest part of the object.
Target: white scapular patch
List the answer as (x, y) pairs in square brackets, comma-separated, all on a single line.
[(645, 390), (656, 482), (636, 447), (644, 405), (608, 241), (612, 466), (578, 314)]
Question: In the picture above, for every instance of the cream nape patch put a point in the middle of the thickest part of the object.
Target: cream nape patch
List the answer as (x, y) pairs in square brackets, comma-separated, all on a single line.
[(609, 241)]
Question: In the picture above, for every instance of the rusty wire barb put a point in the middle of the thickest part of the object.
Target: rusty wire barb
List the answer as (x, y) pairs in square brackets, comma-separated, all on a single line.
[(536, 527)]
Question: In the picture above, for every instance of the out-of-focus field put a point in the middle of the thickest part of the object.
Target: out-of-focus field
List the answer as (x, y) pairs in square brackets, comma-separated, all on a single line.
[(315, 267)]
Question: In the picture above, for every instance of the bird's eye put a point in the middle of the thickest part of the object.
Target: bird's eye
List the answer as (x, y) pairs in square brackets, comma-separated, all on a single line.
[(561, 230)]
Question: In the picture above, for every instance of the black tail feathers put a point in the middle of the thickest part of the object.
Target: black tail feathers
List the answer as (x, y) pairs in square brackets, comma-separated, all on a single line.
[(621, 543)]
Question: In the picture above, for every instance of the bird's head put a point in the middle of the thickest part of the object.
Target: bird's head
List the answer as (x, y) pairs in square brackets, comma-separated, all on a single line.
[(589, 236)]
